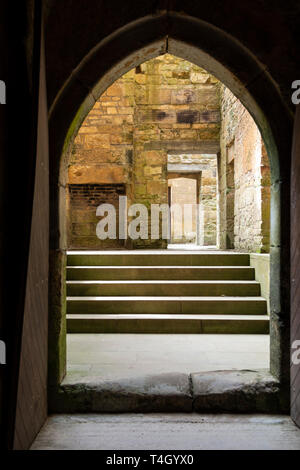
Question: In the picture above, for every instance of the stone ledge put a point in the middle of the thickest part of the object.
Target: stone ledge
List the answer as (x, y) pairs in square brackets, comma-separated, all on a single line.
[(234, 391), (237, 391), (152, 393)]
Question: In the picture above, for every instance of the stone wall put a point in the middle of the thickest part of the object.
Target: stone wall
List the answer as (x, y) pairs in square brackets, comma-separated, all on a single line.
[(178, 110), (84, 200), (167, 108), (261, 264), (208, 203), (100, 165), (244, 180), (166, 105)]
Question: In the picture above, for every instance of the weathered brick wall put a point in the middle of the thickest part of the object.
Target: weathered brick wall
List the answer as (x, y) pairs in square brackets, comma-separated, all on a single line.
[(165, 105), (84, 200), (244, 180)]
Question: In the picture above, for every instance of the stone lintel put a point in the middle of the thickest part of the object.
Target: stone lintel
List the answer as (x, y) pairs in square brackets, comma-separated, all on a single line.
[(186, 168), (177, 147)]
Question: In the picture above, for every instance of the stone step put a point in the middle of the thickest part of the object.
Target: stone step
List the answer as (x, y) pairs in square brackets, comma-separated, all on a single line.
[(168, 324), (160, 273), (163, 288), (167, 305), (155, 258)]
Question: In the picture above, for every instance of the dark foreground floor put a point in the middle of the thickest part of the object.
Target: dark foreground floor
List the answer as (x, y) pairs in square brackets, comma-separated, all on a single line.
[(168, 432)]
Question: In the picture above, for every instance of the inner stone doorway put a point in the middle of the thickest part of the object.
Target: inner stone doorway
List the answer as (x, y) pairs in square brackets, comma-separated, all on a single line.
[(193, 199)]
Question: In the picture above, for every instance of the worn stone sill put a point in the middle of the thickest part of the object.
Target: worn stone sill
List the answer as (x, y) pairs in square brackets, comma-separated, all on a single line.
[(236, 391)]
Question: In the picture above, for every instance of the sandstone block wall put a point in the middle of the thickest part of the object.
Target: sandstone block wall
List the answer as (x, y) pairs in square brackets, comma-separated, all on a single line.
[(169, 110), (244, 180), (165, 105)]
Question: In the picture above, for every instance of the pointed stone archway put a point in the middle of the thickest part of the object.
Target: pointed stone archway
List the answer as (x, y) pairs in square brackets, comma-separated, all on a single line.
[(224, 57)]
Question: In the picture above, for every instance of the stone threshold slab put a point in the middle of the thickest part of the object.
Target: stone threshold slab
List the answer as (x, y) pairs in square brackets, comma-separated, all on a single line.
[(243, 391)]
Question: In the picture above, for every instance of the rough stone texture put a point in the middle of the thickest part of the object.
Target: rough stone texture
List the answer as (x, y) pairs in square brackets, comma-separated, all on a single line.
[(261, 263), (168, 104), (101, 155), (130, 35), (172, 107), (164, 100), (162, 392), (237, 391), (57, 347), (208, 204), (84, 200), (244, 180), (168, 431), (217, 391)]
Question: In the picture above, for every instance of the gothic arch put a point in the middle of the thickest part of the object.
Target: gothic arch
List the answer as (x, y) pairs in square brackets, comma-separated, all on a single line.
[(226, 58)]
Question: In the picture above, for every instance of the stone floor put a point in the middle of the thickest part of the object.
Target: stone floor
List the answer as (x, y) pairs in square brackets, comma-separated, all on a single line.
[(168, 432), (115, 356), (191, 247)]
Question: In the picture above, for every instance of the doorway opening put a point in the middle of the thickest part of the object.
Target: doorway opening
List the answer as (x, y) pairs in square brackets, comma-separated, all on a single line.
[(193, 183), (154, 186), (167, 135)]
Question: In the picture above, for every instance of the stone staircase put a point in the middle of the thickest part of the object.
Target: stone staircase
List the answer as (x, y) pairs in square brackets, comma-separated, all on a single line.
[(163, 292)]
